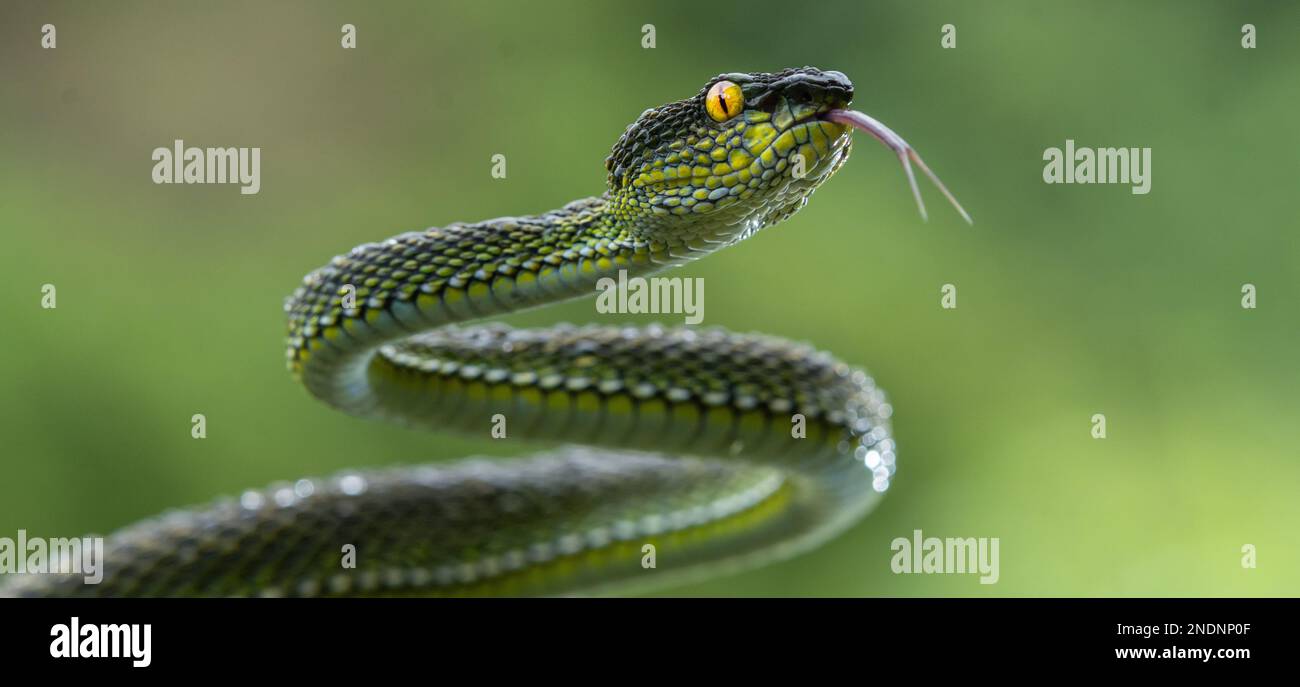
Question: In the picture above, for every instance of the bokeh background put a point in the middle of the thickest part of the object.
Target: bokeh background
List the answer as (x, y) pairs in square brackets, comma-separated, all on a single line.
[(1073, 300)]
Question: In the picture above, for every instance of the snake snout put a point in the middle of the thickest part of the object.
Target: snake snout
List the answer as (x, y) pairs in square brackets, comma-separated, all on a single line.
[(819, 90), (808, 95)]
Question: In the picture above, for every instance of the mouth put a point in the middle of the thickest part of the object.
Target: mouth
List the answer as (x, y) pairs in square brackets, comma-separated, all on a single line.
[(906, 154)]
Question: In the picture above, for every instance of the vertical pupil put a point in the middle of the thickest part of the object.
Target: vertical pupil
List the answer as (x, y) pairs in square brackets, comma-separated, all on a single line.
[(722, 102)]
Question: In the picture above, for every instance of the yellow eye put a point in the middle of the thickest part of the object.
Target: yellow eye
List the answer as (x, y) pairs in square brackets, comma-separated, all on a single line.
[(724, 101)]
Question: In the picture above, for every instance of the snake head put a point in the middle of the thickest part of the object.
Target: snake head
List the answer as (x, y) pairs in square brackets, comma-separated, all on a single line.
[(743, 153)]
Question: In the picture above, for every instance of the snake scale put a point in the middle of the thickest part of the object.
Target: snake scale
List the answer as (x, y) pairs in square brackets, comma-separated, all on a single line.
[(676, 439)]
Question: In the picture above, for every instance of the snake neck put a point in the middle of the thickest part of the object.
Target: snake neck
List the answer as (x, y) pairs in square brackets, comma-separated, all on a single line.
[(418, 281)]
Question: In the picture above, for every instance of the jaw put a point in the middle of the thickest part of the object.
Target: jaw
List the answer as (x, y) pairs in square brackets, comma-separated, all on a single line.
[(824, 145), (821, 164)]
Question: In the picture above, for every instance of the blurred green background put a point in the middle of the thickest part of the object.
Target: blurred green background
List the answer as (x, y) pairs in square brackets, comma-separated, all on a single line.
[(1073, 300)]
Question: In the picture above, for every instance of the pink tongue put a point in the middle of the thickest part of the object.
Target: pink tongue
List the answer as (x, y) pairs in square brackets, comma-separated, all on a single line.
[(882, 133)]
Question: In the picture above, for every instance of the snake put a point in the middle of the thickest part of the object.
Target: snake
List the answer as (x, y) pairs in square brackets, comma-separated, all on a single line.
[(670, 454)]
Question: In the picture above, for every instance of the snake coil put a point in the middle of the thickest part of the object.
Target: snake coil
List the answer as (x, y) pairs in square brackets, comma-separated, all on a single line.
[(680, 439)]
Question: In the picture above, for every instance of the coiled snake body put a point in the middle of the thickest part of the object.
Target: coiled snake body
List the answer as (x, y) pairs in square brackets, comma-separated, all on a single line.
[(691, 448)]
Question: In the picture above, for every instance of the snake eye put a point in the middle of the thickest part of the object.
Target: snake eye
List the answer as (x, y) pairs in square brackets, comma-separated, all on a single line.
[(724, 101)]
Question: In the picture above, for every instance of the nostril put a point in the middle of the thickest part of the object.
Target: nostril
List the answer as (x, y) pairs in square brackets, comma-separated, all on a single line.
[(838, 97)]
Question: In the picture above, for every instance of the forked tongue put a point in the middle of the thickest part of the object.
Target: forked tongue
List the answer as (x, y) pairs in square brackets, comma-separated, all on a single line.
[(882, 133)]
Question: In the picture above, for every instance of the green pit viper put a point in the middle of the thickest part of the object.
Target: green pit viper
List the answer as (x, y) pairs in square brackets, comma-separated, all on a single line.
[(676, 439)]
